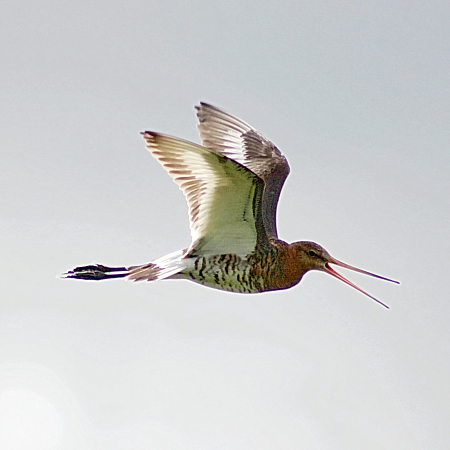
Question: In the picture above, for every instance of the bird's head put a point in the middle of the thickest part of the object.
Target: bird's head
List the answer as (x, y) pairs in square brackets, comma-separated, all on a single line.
[(314, 257)]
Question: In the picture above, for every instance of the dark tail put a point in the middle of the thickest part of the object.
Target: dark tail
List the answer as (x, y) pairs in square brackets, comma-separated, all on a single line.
[(96, 272)]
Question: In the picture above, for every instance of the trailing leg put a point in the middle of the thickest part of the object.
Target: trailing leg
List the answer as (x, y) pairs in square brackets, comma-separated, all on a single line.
[(96, 272)]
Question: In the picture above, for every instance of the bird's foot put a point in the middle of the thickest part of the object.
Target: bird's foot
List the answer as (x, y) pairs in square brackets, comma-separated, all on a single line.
[(95, 272)]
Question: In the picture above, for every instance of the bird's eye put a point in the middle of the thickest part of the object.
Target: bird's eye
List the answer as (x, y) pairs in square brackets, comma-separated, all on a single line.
[(312, 253)]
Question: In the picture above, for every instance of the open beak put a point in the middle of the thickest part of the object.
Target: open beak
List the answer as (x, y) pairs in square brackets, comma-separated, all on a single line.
[(331, 271)]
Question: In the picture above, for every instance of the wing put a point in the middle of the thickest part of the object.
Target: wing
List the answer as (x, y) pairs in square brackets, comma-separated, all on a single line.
[(223, 197), (229, 136)]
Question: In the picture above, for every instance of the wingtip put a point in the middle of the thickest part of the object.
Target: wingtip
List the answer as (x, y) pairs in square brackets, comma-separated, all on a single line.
[(150, 136), (204, 105), (199, 107)]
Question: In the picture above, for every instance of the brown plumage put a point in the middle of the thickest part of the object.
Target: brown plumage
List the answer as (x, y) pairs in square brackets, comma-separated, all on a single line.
[(232, 184)]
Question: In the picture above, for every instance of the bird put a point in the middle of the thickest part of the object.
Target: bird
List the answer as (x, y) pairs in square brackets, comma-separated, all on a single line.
[(232, 184)]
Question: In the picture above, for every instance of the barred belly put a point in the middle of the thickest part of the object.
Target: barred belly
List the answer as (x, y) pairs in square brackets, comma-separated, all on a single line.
[(226, 272)]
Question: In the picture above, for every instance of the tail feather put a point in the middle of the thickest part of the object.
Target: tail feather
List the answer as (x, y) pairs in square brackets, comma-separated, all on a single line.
[(146, 272), (159, 269)]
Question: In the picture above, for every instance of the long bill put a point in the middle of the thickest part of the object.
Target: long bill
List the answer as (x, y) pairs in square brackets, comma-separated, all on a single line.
[(331, 271)]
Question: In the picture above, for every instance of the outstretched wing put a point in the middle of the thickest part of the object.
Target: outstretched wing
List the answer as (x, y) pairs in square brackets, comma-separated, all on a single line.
[(224, 198), (229, 136)]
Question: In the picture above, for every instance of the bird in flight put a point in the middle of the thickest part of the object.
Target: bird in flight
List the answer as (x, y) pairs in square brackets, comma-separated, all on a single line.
[(232, 183)]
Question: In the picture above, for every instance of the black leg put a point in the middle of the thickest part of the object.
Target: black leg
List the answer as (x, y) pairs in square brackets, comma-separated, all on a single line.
[(96, 272)]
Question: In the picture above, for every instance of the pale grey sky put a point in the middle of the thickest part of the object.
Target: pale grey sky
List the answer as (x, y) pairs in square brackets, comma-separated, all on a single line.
[(356, 95)]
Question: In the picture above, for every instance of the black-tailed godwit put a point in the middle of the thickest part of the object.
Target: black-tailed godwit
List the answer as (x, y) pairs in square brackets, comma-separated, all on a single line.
[(232, 184)]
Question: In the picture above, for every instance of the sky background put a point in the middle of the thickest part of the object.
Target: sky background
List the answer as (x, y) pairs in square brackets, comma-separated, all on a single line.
[(356, 94)]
